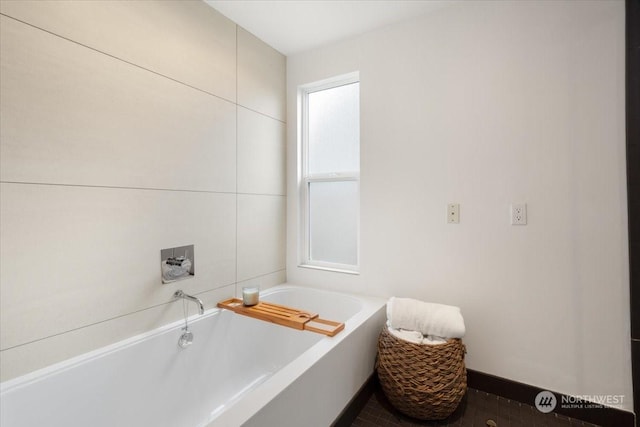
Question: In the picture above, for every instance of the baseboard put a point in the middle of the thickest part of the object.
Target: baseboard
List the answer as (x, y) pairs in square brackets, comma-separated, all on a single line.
[(355, 405), (596, 414)]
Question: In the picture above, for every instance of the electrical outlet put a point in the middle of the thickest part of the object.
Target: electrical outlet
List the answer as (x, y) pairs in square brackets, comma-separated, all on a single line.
[(453, 213), (519, 214)]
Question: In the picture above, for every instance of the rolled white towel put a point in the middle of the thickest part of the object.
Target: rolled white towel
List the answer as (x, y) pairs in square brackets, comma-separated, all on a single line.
[(414, 336), (411, 336), (427, 318), (433, 340)]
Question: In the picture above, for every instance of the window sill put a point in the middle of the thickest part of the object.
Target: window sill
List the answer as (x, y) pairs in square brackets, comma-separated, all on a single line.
[(334, 270)]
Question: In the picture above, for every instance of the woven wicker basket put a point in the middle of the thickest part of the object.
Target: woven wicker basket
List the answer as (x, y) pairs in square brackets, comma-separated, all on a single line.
[(423, 381)]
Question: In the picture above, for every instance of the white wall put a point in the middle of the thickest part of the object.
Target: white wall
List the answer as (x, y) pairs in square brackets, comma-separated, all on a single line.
[(126, 128), (487, 104)]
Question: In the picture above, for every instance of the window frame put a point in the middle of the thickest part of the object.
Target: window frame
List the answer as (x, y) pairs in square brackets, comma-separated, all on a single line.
[(305, 179)]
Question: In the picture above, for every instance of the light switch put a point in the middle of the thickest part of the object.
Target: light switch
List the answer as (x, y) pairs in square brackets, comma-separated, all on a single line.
[(453, 213)]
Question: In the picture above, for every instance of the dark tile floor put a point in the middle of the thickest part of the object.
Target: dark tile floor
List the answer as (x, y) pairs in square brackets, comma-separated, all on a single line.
[(475, 410)]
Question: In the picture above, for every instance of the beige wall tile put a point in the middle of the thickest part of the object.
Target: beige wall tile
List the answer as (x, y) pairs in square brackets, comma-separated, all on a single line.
[(185, 40), (261, 154), (261, 76), (81, 255), (261, 235), (75, 116), (263, 282)]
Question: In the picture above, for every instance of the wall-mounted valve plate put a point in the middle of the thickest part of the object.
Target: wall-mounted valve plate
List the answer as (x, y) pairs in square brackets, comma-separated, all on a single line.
[(177, 263)]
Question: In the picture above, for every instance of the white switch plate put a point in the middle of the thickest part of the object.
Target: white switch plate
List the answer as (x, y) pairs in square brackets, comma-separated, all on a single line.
[(453, 213), (519, 214)]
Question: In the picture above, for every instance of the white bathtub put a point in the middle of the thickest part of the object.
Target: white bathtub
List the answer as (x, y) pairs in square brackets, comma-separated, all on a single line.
[(238, 371)]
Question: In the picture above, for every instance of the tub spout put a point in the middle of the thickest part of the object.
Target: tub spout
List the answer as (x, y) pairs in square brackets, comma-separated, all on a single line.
[(182, 295)]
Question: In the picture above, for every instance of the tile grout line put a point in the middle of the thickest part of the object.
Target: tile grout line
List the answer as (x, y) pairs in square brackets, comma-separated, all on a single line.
[(132, 312), (284, 122), (116, 187), (147, 69), (237, 197), (114, 57), (109, 319), (261, 275)]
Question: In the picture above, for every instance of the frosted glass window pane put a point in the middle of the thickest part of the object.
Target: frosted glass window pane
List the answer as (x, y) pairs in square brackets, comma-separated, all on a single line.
[(333, 222), (334, 129)]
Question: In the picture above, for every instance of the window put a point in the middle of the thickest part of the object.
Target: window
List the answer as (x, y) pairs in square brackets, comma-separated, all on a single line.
[(330, 173)]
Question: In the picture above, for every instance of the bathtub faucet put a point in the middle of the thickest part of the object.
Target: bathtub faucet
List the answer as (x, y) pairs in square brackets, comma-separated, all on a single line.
[(182, 295)]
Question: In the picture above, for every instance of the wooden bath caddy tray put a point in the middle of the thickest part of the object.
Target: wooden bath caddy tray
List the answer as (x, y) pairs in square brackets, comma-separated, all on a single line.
[(285, 316)]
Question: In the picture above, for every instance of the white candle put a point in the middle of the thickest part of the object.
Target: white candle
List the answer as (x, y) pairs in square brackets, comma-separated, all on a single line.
[(250, 295)]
